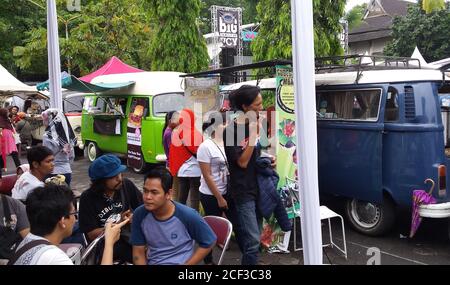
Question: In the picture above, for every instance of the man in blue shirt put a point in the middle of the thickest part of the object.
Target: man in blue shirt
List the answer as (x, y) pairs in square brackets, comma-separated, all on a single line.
[(163, 231)]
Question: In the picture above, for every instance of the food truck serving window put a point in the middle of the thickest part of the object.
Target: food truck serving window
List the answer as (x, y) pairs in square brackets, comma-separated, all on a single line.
[(167, 102), (358, 105)]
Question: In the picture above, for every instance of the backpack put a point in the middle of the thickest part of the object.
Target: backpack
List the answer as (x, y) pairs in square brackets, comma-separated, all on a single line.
[(9, 238)]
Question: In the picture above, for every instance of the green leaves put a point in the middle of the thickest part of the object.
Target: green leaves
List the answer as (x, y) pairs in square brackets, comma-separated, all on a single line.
[(429, 32), (275, 36), (178, 44)]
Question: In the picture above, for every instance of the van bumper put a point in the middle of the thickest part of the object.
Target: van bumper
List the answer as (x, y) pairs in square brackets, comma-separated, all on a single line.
[(436, 211), (161, 158)]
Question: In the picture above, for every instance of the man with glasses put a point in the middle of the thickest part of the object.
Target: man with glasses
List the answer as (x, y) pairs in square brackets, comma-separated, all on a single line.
[(51, 213), (109, 194)]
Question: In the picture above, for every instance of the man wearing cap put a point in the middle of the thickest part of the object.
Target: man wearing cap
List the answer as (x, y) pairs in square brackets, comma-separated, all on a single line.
[(109, 194)]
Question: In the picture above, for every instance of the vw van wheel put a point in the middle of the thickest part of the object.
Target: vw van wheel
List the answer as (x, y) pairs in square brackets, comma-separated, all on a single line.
[(142, 169), (370, 218), (93, 151)]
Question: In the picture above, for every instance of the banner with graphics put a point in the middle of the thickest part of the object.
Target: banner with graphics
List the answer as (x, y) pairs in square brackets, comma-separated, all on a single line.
[(139, 107), (202, 95), (228, 25), (273, 237)]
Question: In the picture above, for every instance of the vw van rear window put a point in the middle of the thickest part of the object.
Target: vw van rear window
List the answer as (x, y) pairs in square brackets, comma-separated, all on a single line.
[(352, 105), (168, 102)]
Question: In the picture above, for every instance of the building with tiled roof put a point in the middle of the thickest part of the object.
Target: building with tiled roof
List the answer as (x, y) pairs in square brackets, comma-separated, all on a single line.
[(374, 32)]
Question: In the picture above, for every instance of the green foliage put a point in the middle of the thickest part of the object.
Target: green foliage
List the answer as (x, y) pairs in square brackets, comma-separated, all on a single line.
[(275, 41), (16, 18), (102, 29), (355, 15), (429, 32), (178, 44), (431, 6)]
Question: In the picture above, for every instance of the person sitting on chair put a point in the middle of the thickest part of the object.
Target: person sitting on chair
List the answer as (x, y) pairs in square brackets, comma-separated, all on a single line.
[(110, 194), (41, 161), (163, 231), (51, 213)]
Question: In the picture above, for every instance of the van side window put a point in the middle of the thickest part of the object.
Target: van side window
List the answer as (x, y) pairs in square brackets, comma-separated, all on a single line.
[(349, 105), (391, 113)]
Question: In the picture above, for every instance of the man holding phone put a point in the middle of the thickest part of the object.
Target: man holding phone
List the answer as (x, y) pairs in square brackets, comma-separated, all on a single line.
[(110, 194)]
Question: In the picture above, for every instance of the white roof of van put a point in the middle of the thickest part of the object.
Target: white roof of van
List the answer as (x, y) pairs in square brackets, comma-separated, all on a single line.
[(367, 77), (147, 83)]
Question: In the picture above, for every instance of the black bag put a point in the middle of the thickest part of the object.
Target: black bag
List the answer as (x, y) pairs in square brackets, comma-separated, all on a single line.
[(9, 238)]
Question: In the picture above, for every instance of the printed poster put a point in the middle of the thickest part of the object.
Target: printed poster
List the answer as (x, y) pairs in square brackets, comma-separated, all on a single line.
[(202, 95), (273, 237), (134, 137)]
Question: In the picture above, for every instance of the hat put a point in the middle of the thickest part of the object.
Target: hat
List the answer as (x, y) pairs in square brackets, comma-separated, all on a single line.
[(106, 166)]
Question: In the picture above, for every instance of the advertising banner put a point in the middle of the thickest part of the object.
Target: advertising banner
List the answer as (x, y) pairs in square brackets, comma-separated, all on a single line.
[(202, 95), (228, 25), (273, 237), (134, 127)]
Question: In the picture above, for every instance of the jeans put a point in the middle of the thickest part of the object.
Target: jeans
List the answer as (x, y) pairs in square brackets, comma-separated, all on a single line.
[(249, 224)]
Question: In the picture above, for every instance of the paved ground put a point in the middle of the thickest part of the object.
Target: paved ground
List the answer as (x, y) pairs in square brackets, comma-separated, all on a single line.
[(430, 246)]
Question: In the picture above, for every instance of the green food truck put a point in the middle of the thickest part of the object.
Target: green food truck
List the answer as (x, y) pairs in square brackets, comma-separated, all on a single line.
[(129, 121)]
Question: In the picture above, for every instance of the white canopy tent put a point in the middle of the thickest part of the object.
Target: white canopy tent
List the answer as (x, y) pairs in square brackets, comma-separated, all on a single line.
[(11, 86)]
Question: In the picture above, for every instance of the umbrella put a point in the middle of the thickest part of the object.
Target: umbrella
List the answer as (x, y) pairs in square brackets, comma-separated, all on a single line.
[(420, 197)]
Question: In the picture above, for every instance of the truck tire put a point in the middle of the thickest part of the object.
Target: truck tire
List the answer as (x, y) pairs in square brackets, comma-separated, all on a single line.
[(92, 151), (370, 218)]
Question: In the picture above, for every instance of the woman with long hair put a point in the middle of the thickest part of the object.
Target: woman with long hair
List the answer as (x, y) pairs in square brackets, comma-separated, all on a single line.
[(8, 143), (242, 149)]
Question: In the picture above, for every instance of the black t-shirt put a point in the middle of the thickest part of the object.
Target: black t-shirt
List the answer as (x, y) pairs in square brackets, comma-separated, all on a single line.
[(243, 181), (96, 208)]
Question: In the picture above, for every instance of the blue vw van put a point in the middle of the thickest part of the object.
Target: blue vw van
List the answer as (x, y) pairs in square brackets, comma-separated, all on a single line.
[(381, 134)]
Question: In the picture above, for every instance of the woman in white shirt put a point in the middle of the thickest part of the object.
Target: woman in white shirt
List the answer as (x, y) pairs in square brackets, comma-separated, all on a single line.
[(213, 165)]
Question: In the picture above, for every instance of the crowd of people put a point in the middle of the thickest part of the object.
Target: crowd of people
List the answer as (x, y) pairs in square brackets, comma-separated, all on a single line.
[(216, 168)]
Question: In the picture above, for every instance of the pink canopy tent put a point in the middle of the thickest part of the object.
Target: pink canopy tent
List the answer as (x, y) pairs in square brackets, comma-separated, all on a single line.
[(113, 66)]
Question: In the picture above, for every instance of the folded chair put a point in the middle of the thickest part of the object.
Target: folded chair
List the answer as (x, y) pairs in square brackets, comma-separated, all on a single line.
[(223, 229)]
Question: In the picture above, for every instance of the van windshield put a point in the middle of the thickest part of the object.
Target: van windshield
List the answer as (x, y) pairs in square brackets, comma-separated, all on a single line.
[(168, 102)]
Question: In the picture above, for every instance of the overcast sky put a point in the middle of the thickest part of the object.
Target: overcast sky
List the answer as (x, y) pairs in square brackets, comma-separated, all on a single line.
[(353, 3)]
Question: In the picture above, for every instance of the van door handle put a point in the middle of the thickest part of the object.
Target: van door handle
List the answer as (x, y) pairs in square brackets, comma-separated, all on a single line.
[(384, 132)]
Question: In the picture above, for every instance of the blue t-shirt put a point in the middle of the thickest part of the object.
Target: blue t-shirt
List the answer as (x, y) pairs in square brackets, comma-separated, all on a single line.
[(170, 242)]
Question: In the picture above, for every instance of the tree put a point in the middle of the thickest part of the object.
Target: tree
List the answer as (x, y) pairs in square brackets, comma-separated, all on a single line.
[(355, 16), (16, 17), (275, 34), (178, 44), (433, 5), (429, 32), (104, 28)]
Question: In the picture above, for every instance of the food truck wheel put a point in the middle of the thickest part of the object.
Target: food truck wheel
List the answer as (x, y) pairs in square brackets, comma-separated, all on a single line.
[(370, 218), (141, 169), (92, 151)]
